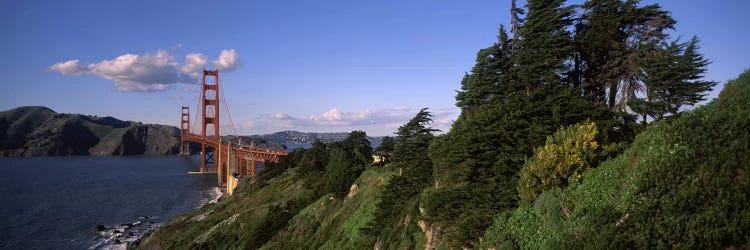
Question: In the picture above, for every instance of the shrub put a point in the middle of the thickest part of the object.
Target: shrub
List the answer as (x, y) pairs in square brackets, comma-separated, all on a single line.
[(565, 156)]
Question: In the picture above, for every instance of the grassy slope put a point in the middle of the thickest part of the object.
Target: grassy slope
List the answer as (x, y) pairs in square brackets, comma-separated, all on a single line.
[(330, 223), (280, 214), (683, 183), (254, 213)]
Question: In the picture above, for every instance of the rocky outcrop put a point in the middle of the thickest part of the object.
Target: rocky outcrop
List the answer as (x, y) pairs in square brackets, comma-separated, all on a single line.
[(40, 131)]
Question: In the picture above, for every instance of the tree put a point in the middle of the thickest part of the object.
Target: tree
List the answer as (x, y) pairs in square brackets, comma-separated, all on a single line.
[(399, 198), (544, 46), (610, 40), (358, 148), (339, 174), (692, 65), (346, 161), (483, 85), (414, 138), (673, 76), (314, 159), (386, 147)]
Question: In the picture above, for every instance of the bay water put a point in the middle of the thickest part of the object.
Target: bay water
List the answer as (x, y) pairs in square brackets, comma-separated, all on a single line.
[(58, 202)]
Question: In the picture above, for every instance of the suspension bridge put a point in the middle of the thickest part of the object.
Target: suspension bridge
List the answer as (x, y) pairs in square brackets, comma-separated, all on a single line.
[(230, 160)]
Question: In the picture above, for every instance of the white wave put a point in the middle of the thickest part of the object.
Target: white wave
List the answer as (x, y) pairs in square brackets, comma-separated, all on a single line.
[(209, 196)]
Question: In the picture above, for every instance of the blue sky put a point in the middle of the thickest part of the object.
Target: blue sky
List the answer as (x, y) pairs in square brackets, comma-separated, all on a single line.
[(318, 66)]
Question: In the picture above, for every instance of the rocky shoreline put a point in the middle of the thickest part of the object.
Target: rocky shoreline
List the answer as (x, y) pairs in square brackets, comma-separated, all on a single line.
[(129, 235)]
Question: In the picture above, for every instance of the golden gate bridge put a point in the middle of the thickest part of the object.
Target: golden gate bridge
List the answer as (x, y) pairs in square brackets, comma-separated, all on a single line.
[(230, 161)]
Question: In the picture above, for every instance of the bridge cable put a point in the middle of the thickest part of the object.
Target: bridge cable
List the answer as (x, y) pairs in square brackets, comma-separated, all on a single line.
[(195, 119), (226, 105)]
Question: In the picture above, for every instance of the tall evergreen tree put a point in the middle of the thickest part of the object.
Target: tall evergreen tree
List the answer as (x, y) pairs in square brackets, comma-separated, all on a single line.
[(479, 88), (339, 175), (358, 148), (692, 65), (346, 161), (476, 163), (611, 37), (399, 200), (673, 75), (544, 47)]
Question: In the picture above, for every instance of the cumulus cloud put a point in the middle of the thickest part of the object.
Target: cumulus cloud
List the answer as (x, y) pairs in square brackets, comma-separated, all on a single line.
[(150, 71), (69, 68), (390, 118), (191, 70), (228, 60), (194, 62)]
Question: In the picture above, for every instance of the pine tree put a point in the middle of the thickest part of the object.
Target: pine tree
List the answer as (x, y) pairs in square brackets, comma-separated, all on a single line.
[(692, 65), (339, 172), (358, 148), (673, 75), (544, 46), (399, 198), (479, 88), (611, 38)]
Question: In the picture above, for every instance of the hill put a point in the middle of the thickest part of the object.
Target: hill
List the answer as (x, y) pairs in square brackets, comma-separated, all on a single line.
[(683, 184), (40, 131), (295, 139)]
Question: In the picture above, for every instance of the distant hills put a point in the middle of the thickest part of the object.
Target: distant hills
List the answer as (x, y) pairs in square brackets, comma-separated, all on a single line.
[(292, 139), (40, 131)]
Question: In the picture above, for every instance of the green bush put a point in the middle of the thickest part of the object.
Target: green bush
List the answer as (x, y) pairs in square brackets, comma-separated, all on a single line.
[(565, 156)]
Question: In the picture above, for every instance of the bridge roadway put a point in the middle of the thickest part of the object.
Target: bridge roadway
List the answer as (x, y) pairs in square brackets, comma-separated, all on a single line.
[(232, 161), (243, 151)]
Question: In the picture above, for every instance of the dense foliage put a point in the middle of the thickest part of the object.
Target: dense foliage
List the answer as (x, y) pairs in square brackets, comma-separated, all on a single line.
[(563, 158), (682, 184), (560, 67)]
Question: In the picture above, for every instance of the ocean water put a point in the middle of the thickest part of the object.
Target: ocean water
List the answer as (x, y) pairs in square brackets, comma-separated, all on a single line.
[(58, 202)]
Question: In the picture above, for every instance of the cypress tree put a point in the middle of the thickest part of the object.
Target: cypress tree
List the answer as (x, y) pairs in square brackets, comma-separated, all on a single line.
[(673, 75), (544, 46), (399, 197), (479, 88), (611, 38)]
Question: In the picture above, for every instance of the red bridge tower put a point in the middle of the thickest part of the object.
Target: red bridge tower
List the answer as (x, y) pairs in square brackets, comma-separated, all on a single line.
[(209, 113)]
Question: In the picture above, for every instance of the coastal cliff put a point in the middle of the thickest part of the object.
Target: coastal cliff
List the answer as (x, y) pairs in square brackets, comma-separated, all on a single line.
[(40, 131)]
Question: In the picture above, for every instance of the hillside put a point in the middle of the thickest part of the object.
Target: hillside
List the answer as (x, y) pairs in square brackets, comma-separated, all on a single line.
[(682, 184), (40, 131), (282, 208)]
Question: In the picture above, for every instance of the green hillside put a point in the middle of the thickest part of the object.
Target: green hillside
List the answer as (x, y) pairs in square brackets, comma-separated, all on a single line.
[(682, 184), (331, 223)]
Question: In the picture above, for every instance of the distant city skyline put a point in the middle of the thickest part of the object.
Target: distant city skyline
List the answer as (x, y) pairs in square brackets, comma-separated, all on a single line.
[(328, 66)]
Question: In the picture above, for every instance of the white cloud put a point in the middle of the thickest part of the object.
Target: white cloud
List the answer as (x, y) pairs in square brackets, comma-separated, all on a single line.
[(70, 67), (389, 118), (148, 72), (142, 73), (191, 70), (228, 60), (194, 62)]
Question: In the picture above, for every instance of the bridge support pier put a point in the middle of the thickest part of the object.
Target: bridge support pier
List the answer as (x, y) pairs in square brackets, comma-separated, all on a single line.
[(206, 158), (253, 167)]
